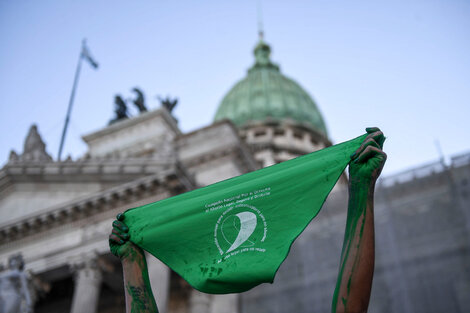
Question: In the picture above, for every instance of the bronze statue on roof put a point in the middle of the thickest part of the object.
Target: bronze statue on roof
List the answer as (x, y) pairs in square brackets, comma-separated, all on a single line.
[(139, 102), (168, 103), (120, 109)]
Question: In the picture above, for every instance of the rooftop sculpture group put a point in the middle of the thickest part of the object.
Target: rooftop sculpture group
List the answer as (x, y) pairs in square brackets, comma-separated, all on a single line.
[(121, 109)]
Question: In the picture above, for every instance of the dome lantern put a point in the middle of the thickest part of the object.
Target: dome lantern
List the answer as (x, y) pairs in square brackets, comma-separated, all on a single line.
[(262, 54)]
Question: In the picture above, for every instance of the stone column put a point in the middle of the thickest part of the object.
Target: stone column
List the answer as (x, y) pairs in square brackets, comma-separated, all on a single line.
[(159, 275), (225, 303), (199, 302), (87, 285)]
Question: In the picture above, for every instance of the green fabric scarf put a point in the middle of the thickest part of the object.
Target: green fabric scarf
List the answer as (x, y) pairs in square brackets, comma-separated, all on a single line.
[(233, 235)]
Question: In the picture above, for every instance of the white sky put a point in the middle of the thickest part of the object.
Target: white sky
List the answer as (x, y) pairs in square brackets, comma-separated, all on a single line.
[(401, 65)]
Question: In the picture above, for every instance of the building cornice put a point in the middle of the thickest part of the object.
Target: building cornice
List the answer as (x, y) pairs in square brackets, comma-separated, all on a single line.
[(134, 121), (90, 170), (227, 122), (174, 179)]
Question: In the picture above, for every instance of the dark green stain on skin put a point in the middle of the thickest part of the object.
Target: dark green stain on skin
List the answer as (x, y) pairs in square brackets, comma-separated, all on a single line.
[(139, 299), (142, 300), (356, 219)]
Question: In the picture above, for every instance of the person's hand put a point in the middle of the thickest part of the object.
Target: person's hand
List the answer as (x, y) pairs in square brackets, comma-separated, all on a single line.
[(119, 243), (367, 162)]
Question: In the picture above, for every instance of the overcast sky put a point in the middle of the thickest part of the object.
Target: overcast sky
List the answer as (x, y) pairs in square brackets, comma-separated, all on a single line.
[(401, 65)]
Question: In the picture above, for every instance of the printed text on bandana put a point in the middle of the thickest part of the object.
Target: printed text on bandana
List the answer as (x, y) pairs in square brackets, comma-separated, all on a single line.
[(240, 198)]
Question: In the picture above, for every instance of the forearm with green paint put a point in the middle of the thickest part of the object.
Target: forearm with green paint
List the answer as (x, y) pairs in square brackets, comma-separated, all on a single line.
[(139, 297), (353, 287), (354, 282)]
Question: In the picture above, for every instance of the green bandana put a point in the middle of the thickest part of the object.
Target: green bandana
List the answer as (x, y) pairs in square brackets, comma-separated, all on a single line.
[(233, 235)]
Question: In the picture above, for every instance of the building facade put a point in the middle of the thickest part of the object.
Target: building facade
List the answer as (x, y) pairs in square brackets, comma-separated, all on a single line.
[(57, 214)]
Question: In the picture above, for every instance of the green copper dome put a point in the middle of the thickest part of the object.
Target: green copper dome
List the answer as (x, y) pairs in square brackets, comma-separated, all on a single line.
[(267, 95)]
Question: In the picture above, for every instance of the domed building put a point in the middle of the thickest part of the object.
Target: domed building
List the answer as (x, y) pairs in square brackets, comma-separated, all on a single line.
[(274, 114), (55, 215)]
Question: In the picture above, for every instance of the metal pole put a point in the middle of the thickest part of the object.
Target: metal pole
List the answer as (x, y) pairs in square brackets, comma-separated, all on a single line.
[(72, 96)]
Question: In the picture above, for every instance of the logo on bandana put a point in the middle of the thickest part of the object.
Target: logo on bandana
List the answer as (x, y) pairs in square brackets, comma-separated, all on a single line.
[(240, 226)]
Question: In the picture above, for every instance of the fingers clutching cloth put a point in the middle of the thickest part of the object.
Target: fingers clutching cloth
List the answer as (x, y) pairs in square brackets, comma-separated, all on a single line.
[(119, 234), (377, 135), (369, 152), (370, 147)]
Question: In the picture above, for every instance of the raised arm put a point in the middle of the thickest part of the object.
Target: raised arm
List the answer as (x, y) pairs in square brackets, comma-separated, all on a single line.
[(139, 297), (356, 270)]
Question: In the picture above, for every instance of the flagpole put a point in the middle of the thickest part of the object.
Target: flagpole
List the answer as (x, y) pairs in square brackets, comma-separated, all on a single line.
[(72, 96)]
